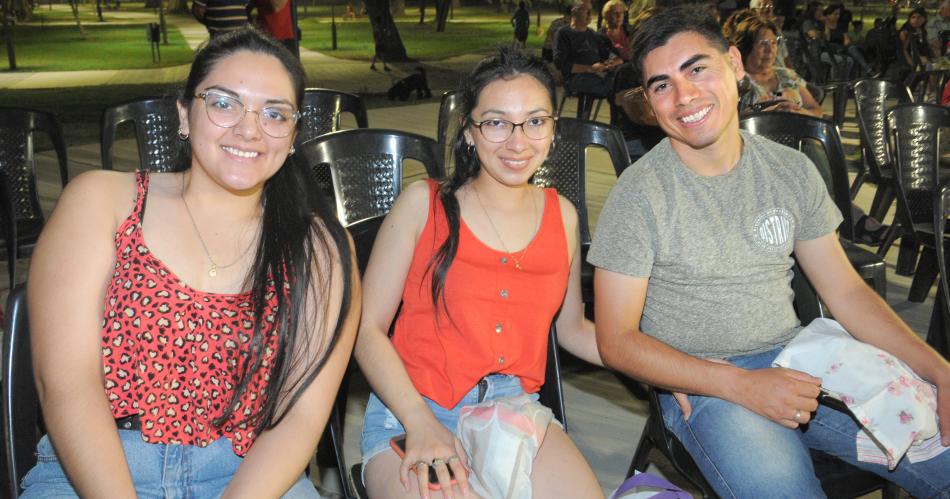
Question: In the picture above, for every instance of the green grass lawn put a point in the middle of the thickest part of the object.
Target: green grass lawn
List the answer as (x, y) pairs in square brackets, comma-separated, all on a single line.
[(60, 48), (355, 38)]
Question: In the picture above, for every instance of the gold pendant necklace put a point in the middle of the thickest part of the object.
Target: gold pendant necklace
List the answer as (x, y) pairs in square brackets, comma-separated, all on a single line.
[(534, 210), (213, 270)]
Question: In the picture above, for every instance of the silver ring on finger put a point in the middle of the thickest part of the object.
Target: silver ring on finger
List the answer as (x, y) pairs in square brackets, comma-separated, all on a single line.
[(437, 461), (453, 459), (798, 416), (420, 463)]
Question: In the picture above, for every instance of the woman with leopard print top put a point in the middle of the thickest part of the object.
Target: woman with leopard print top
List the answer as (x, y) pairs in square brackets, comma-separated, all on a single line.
[(190, 329)]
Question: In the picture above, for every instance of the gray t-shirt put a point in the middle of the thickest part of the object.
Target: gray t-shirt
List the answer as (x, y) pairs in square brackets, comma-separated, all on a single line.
[(717, 249)]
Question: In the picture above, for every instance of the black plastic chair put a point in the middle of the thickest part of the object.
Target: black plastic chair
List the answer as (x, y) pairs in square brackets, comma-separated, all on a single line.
[(321, 111), (919, 85), (914, 135), (566, 170), (938, 335), (22, 419), (551, 396), (18, 129), (449, 123), (366, 167), (872, 98), (838, 478), (797, 131), (155, 120), (587, 104)]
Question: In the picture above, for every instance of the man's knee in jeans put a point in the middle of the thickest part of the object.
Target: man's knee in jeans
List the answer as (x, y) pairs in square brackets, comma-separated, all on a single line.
[(740, 453)]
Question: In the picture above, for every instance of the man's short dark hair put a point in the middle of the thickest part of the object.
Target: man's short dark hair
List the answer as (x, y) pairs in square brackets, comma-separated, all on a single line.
[(657, 29)]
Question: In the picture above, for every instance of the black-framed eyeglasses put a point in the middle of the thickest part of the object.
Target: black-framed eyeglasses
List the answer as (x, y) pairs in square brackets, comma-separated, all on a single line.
[(499, 130), (276, 120)]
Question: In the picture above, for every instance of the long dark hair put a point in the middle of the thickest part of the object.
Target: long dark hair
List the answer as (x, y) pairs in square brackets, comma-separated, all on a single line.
[(298, 229), (507, 64)]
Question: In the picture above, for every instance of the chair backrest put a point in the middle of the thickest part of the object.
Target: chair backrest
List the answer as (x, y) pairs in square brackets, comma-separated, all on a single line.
[(366, 167), (321, 110), (8, 222), (819, 140), (566, 166), (914, 138), (155, 120), (449, 113), (21, 409), (872, 98), (17, 130), (939, 337)]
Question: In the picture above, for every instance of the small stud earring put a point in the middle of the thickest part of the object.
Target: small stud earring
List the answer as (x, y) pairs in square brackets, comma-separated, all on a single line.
[(292, 151), (182, 135)]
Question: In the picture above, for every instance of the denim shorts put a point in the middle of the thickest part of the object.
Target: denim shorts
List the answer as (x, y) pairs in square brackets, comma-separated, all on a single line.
[(380, 424), (158, 471)]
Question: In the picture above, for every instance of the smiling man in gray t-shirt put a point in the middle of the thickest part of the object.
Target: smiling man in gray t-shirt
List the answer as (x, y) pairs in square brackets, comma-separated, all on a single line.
[(693, 255)]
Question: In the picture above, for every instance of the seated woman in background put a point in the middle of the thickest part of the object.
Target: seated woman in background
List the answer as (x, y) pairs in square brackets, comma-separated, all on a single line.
[(913, 36), (755, 38), (208, 315), (836, 32), (480, 276)]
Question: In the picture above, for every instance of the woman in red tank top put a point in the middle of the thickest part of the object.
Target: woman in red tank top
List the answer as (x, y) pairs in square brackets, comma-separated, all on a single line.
[(480, 278), (190, 329)]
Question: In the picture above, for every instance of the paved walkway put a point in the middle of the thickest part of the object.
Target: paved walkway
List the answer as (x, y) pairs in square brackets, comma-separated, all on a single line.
[(322, 70)]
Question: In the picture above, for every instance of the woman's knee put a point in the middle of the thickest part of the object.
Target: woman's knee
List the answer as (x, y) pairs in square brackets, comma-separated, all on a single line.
[(560, 470)]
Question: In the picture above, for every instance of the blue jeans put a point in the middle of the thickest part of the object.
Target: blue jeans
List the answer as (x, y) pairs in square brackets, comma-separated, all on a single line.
[(158, 471), (380, 424), (742, 454)]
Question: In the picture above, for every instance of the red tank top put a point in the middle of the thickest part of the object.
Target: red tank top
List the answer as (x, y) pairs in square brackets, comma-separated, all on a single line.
[(169, 351), (500, 315)]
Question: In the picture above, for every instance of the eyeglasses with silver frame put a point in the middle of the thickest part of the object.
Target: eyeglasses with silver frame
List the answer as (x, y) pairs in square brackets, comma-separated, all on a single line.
[(534, 128), (226, 111)]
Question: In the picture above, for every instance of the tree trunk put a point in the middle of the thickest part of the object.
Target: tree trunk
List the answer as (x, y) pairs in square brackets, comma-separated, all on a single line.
[(422, 11), (442, 14), (384, 30), (74, 5)]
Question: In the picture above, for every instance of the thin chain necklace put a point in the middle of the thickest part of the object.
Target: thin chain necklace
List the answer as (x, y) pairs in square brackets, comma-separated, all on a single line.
[(534, 210), (213, 270)]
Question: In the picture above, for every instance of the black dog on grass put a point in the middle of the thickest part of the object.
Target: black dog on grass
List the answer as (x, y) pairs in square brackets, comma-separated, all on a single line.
[(416, 82)]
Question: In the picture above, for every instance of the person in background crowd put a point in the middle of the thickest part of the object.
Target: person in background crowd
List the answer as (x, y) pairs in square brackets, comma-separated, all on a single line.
[(275, 19), (547, 51), (521, 21), (220, 16), (584, 58), (615, 31), (209, 313), (836, 33), (913, 36), (937, 25)]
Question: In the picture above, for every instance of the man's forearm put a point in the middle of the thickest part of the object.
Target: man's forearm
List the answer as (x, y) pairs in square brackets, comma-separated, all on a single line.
[(650, 360)]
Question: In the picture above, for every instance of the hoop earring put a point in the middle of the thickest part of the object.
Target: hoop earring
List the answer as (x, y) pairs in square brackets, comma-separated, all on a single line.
[(471, 149), (182, 135)]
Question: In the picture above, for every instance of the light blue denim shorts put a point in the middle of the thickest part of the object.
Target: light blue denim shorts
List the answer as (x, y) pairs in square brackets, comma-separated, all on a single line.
[(380, 424), (158, 471)]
